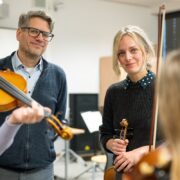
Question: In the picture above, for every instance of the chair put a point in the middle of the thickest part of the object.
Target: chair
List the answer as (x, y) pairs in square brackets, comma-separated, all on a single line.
[(97, 161)]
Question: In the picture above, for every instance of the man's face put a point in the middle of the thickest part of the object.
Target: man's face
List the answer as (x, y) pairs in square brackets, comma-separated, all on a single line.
[(33, 46)]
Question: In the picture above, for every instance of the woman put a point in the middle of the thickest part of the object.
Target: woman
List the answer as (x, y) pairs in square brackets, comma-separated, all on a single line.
[(169, 103), (129, 99), (22, 115)]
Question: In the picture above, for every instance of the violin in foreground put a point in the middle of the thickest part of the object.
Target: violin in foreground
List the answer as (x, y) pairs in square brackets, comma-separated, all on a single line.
[(12, 91), (153, 166)]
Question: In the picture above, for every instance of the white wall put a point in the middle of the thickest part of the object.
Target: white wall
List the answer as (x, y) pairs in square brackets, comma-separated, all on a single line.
[(84, 31), (8, 42)]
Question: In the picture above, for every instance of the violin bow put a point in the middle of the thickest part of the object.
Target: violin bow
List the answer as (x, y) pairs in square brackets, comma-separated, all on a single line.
[(161, 22)]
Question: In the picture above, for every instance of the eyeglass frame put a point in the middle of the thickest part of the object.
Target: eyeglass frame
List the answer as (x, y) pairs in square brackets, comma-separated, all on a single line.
[(44, 33)]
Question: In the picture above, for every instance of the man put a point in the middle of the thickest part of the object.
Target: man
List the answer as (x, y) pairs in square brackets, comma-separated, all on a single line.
[(32, 153)]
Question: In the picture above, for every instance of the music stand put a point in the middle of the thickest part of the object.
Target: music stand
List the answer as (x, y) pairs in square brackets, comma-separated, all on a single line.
[(92, 116), (88, 117)]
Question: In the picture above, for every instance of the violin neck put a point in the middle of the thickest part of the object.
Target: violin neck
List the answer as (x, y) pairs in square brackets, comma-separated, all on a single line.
[(122, 134), (14, 91)]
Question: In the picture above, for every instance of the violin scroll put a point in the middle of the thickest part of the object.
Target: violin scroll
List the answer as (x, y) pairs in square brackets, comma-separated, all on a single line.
[(63, 131), (123, 131)]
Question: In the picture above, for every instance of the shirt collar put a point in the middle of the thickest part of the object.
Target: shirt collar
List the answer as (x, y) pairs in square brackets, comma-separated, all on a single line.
[(17, 64), (144, 82)]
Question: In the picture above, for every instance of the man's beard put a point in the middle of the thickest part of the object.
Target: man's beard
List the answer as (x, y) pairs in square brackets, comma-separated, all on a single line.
[(31, 55)]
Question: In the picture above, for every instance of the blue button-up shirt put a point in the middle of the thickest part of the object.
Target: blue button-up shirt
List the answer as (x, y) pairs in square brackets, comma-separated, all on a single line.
[(31, 75)]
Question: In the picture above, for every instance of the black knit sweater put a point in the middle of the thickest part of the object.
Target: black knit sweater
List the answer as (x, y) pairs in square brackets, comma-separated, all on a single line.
[(132, 101)]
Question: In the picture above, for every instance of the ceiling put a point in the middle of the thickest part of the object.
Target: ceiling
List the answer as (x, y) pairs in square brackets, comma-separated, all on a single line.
[(171, 5), (146, 3), (8, 7)]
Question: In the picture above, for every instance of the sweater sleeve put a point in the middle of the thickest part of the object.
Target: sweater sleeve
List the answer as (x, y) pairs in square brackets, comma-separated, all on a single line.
[(107, 129), (7, 134)]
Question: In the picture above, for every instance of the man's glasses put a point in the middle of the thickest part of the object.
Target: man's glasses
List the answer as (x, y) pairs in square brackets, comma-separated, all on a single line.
[(47, 36)]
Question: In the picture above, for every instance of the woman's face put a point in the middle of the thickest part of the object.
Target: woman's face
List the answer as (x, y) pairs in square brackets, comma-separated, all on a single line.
[(131, 58)]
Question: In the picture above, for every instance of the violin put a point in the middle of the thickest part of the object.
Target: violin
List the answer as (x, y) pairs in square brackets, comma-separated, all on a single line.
[(13, 93), (153, 166), (110, 173)]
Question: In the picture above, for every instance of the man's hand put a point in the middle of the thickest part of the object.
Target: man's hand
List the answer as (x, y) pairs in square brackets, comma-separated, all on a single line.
[(28, 115)]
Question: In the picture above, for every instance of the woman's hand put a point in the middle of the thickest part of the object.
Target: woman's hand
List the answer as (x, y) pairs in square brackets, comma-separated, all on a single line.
[(126, 160), (117, 146), (28, 115)]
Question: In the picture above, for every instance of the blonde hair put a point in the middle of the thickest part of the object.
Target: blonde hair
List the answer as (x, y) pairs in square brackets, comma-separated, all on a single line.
[(140, 38), (169, 104)]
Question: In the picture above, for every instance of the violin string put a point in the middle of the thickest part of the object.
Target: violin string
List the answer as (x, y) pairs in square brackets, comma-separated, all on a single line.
[(14, 91)]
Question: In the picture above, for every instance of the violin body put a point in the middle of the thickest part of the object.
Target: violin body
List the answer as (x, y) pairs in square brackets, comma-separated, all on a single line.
[(8, 102), (110, 174)]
